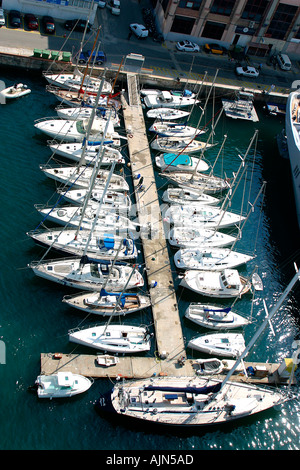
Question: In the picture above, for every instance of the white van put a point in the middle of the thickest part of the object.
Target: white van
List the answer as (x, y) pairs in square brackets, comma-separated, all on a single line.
[(114, 6), (284, 62), (2, 17)]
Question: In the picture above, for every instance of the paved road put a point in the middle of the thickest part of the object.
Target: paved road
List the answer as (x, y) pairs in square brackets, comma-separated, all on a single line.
[(163, 59)]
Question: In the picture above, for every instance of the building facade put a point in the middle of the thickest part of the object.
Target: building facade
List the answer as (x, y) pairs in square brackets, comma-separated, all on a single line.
[(263, 27), (58, 9)]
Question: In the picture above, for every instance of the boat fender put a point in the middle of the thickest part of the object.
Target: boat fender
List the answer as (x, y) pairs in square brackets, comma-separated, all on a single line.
[(130, 136)]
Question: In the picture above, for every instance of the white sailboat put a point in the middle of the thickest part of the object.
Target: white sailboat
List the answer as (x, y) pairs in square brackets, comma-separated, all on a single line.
[(208, 184), (178, 145), (221, 284), (184, 196), (219, 344), (84, 274), (173, 162), (61, 385), (117, 200), (79, 177), (167, 113), (156, 91), (215, 317), (200, 216), (108, 303), (73, 151), (213, 259), (102, 245), (76, 81), (84, 112), (195, 401), (193, 238), (165, 99), (171, 129)]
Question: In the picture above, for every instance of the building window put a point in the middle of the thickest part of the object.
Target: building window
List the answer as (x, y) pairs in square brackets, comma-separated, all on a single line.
[(213, 30), (222, 7), (190, 4), (281, 21), (255, 9), (182, 24), (297, 36)]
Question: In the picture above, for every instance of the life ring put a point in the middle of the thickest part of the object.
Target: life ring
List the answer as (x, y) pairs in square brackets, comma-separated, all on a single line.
[(130, 136)]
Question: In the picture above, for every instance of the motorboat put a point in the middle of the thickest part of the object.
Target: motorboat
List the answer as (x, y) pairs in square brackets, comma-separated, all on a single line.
[(113, 338), (173, 162), (83, 274), (214, 259), (166, 99), (74, 81), (117, 200), (15, 91), (84, 112), (101, 245), (187, 402), (242, 107), (75, 151), (191, 402), (76, 131), (183, 237), (219, 344), (155, 91), (209, 184), (292, 129), (215, 317), (167, 114), (178, 145), (107, 360), (221, 284), (61, 385), (108, 303), (185, 196), (171, 129), (194, 216), (74, 98), (80, 177), (75, 217)]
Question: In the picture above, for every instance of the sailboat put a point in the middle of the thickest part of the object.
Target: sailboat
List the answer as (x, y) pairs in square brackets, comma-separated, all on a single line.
[(171, 129), (221, 284), (75, 81), (183, 196), (108, 303), (73, 151), (167, 113), (214, 259), (82, 273), (102, 245), (84, 112), (219, 344), (193, 238), (183, 162), (115, 199), (215, 317), (165, 99), (177, 144), (196, 216), (195, 401), (75, 98)]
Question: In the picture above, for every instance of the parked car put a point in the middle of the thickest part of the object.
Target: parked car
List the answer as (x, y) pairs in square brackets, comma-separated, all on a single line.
[(114, 6), (139, 30), (215, 49), (48, 24), (247, 71), (187, 46), (2, 17), (100, 58), (101, 3), (14, 17), (77, 25), (31, 21), (284, 61)]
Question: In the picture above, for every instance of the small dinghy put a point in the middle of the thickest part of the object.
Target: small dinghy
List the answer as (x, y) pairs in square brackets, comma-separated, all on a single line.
[(213, 366), (219, 344), (178, 145), (108, 304), (225, 284), (215, 259), (193, 238), (215, 317), (167, 113), (15, 91), (173, 162), (183, 196), (113, 338), (61, 385), (106, 360)]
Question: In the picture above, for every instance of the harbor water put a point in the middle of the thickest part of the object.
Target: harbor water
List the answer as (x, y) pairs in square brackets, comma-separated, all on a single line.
[(34, 320)]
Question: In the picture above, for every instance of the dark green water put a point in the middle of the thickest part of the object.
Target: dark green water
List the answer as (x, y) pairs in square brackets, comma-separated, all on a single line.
[(34, 320)]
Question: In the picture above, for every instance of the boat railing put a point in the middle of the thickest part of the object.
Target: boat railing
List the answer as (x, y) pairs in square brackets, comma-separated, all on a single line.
[(50, 118)]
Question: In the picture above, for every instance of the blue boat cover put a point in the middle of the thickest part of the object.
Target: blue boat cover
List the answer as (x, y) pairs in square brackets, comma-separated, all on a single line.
[(174, 160)]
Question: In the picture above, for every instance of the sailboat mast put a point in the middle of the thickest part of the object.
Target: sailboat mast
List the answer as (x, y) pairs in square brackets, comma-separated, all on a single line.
[(263, 325)]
